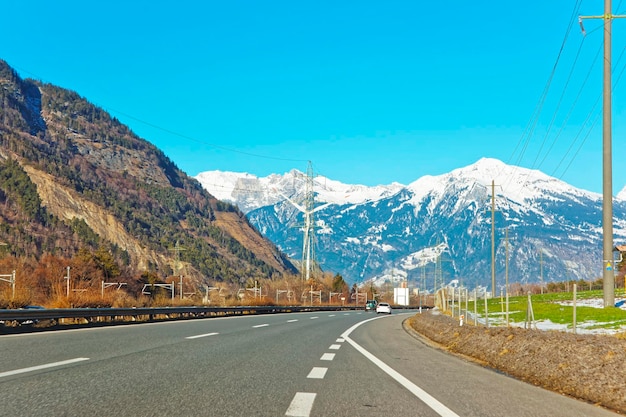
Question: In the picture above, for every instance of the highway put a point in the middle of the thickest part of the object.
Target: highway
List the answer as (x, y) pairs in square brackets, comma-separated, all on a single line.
[(306, 364)]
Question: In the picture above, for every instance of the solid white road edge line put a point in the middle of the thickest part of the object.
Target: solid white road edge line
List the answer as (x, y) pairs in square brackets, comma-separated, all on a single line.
[(201, 335), (39, 367), (301, 404), (425, 397)]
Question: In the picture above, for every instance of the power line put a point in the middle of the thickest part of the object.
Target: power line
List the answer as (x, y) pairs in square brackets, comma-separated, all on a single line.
[(532, 123), (529, 131), (554, 114), (180, 135), (572, 109), (177, 134)]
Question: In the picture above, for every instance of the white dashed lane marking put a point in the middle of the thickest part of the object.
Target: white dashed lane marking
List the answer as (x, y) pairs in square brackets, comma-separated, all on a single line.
[(201, 335), (317, 373), (260, 325), (291, 321), (301, 404), (40, 367)]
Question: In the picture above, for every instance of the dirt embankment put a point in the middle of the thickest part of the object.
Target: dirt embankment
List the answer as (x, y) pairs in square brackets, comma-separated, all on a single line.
[(589, 367)]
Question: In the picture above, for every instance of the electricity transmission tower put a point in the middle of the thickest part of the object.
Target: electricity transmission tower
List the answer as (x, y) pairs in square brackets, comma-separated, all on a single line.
[(308, 208)]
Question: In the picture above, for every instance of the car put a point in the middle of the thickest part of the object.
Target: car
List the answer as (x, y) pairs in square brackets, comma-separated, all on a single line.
[(370, 305), (383, 308)]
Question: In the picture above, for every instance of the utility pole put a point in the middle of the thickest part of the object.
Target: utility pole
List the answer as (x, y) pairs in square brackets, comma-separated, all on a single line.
[(506, 273), (608, 274), (541, 268), (181, 286), (423, 276), (493, 238), (67, 277), (177, 249), (437, 271)]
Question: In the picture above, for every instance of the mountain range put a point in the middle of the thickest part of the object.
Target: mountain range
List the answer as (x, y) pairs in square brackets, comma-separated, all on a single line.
[(75, 183), (436, 229)]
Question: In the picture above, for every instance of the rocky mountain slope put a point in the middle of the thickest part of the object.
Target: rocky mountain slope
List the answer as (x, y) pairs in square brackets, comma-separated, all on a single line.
[(437, 228), (72, 177)]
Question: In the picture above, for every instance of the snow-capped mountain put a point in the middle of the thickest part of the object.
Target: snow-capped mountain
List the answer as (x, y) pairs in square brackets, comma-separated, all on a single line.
[(622, 194), (437, 228), (250, 192)]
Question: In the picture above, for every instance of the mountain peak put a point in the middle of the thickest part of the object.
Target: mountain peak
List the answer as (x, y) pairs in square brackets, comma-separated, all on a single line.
[(366, 232)]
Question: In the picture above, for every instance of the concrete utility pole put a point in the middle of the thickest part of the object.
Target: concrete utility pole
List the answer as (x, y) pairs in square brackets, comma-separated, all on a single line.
[(493, 238), (67, 277), (608, 275), (177, 249), (541, 268), (506, 275)]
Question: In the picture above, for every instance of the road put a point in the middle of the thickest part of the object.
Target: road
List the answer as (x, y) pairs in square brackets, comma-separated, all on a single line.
[(305, 364)]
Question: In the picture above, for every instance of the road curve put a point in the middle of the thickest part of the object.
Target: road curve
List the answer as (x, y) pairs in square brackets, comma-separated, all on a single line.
[(305, 364)]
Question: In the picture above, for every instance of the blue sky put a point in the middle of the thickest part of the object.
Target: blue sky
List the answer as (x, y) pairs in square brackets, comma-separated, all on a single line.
[(371, 92)]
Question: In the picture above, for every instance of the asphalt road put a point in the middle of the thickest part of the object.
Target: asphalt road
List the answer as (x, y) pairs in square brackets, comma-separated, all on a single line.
[(306, 364)]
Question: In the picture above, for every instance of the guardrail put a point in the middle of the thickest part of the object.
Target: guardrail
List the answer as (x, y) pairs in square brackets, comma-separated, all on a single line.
[(97, 316), (116, 314)]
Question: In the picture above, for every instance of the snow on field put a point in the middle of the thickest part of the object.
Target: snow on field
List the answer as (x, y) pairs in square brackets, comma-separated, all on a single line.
[(588, 327)]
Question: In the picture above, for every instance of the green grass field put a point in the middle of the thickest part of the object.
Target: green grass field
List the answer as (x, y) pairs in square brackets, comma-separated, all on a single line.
[(549, 307)]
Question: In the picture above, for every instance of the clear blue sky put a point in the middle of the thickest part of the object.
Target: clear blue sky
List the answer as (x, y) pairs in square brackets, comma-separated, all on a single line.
[(370, 91)]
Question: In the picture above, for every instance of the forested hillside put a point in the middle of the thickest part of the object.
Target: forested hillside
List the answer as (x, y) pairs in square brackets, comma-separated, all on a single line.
[(78, 187)]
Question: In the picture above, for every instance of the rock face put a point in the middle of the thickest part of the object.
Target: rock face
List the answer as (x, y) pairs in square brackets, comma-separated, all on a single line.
[(72, 177), (589, 367)]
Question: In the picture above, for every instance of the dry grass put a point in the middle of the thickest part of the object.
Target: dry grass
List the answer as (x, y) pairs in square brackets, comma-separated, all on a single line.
[(589, 367)]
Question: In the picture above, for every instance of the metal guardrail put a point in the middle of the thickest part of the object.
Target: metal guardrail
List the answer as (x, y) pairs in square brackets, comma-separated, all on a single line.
[(62, 317), (151, 313)]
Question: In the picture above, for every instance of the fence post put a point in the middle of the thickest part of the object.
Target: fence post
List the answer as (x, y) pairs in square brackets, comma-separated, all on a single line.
[(467, 301), (453, 294), (507, 307), (475, 307), (574, 314), (530, 315), (486, 311)]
